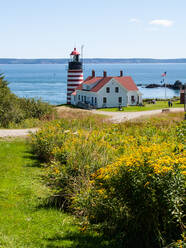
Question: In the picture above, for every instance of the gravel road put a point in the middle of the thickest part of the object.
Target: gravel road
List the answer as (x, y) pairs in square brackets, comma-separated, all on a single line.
[(117, 117), (16, 132)]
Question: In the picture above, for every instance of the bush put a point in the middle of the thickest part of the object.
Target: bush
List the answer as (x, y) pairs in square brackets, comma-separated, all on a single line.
[(14, 110), (126, 180), (139, 198), (26, 123), (72, 157), (36, 109)]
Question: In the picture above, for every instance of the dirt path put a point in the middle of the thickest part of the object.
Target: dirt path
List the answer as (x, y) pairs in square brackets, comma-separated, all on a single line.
[(117, 117), (16, 132)]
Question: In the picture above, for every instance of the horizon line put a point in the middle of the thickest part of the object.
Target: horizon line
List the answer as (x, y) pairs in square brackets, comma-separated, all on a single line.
[(96, 58)]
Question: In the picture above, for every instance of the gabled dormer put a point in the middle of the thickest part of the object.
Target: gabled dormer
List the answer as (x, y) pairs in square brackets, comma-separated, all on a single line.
[(91, 82)]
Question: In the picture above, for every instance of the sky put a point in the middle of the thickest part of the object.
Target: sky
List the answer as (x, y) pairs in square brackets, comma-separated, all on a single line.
[(106, 28)]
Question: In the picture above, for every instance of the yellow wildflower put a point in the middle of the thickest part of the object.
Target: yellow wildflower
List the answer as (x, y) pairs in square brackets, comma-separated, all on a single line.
[(183, 173), (147, 183)]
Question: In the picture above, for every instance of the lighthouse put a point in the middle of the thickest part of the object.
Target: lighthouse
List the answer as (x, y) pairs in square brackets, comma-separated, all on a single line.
[(75, 74)]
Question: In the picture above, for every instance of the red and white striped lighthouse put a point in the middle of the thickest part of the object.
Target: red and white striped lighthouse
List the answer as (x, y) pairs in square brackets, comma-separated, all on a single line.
[(75, 74)]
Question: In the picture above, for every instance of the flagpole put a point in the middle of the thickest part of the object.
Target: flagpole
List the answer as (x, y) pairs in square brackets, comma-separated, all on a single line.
[(164, 79), (165, 88)]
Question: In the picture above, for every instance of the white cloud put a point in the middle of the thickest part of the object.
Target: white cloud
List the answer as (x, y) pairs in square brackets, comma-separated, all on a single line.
[(134, 20), (164, 23)]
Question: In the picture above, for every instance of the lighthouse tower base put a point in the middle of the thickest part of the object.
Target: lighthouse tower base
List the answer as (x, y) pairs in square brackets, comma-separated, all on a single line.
[(75, 78)]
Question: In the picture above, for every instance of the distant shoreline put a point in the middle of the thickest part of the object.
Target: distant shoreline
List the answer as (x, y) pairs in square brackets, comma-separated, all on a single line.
[(92, 61)]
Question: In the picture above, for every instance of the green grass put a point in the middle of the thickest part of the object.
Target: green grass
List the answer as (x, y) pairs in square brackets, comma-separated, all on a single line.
[(24, 223), (158, 105)]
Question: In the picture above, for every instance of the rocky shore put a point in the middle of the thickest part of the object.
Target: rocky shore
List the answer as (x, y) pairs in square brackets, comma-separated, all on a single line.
[(176, 86)]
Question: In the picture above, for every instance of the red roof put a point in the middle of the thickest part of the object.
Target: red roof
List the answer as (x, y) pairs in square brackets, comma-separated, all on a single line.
[(75, 52), (101, 83), (92, 80), (79, 87), (127, 82), (74, 93)]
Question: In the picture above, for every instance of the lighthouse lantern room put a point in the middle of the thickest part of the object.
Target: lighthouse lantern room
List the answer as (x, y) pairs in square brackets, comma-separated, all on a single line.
[(75, 74)]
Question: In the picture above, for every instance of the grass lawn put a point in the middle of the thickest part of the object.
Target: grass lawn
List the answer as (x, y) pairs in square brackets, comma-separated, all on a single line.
[(158, 105), (24, 223)]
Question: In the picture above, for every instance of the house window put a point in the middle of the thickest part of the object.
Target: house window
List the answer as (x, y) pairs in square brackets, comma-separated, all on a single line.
[(116, 89), (92, 100), (95, 100), (120, 100), (79, 97), (85, 98), (104, 100), (108, 89), (132, 99), (82, 98)]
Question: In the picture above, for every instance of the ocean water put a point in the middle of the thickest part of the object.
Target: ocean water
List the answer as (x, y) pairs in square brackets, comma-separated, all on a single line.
[(49, 81)]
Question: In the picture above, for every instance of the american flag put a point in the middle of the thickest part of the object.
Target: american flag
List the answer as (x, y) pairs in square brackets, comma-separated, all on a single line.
[(164, 74)]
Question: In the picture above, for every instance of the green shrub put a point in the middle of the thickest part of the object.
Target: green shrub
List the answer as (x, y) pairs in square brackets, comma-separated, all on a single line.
[(125, 180), (36, 108), (72, 156), (14, 110), (139, 198), (26, 123)]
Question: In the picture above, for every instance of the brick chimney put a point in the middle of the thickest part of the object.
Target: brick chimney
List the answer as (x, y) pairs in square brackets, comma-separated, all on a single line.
[(104, 74), (121, 73), (93, 73)]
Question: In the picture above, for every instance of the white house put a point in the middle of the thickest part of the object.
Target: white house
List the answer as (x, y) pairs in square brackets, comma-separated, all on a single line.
[(107, 92)]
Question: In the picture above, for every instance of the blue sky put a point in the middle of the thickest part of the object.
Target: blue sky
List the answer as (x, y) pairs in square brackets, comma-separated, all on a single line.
[(107, 28)]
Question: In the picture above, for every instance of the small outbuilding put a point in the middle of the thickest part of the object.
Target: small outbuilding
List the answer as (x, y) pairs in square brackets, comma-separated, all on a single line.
[(182, 96), (107, 92)]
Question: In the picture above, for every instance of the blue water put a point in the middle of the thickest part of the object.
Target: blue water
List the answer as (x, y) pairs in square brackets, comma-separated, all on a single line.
[(48, 81)]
